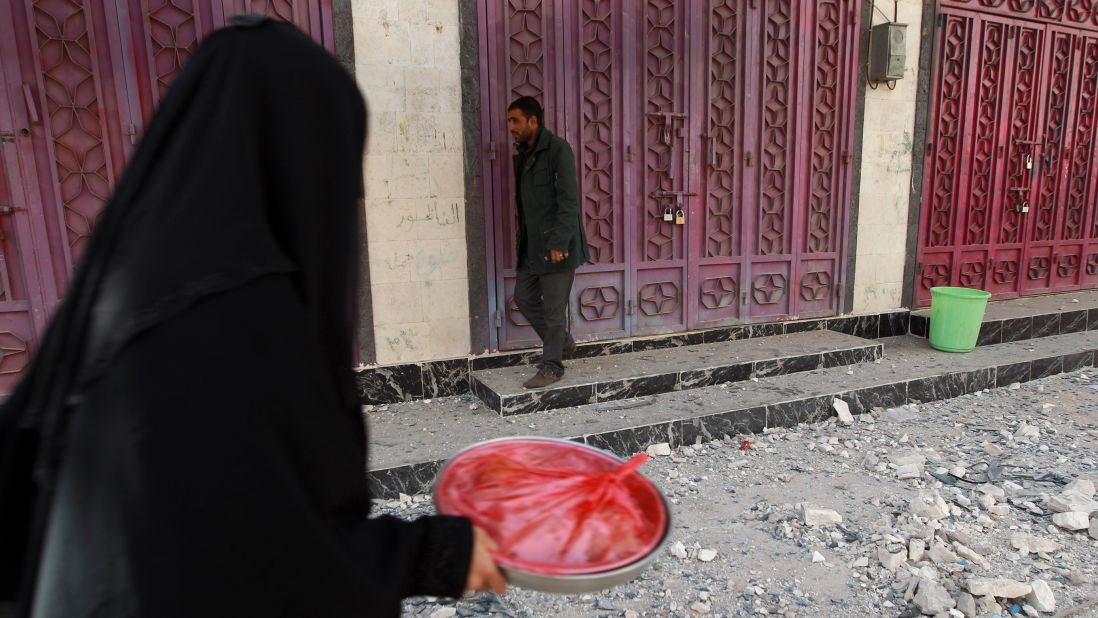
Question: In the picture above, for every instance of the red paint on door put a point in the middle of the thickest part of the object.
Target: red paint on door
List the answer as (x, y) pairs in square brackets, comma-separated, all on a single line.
[(78, 81), (1009, 184), (712, 146)]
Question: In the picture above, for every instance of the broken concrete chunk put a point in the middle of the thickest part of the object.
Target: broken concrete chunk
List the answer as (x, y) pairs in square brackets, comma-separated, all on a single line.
[(1029, 544), (889, 560), (940, 554), (1069, 501), (929, 505), (843, 410), (1083, 487), (1071, 521), (1041, 597), (933, 599), (993, 449), (997, 587), (916, 549), (815, 516), (966, 604), (662, 449), (970, 555), (707, 555)]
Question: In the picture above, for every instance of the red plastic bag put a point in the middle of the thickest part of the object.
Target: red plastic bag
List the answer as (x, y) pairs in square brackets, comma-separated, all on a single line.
[(555, 507)]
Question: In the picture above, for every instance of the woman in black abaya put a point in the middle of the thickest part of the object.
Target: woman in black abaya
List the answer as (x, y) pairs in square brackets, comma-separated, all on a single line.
[(188, 440)]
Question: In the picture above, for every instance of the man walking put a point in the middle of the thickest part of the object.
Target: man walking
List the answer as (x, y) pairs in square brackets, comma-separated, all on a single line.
[(551, 240)]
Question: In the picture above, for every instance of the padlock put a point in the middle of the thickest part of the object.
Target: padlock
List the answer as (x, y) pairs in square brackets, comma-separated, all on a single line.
[(667, 216), (1025, 206), (680, 217), (1029, 162)]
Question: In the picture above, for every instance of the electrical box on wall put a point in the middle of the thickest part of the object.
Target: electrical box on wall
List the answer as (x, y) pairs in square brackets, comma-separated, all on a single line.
[(887, 52)]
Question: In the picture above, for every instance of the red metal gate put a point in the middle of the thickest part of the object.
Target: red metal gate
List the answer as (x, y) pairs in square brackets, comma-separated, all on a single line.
[(78, 81), (1010, 176), (673, 108)]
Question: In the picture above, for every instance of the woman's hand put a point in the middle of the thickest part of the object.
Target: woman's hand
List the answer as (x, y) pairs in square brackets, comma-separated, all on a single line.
[(483, 572)]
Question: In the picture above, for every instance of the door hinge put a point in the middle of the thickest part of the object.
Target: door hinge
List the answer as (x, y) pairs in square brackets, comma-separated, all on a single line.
[(941, 20), (497, 319), (847, 158), (7, 138), (629, 307), (491, 151), (743, 298)]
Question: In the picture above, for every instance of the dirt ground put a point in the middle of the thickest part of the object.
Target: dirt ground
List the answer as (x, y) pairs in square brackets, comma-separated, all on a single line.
[(934, 500)]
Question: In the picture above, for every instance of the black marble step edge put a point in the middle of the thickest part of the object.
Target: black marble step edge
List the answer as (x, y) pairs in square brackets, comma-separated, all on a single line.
[(413, 478), (446, 378), (1019, 329), (655, 384)]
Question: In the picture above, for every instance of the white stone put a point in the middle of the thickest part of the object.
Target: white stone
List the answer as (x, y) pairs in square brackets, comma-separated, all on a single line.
[(707, 555), (909, 471), (1071, 521), (1014, 386), (860, 563), (891, 561), (966, 604), (993, 449), (444, 612), (1069, 501), (958, 471), (1041, 597), (630, 613), (916, 549), (662, 449), (929, 505), (1083, 487), (987, 501), (815, 516), (987, 605), (999, 510), (997, 587), (843, 410), (955, 613), (1029, 544), (970, 555), (933, 599), (1030, 611), (818, 557), (991, 490), (678, 550), (940, 554), (700, 608)]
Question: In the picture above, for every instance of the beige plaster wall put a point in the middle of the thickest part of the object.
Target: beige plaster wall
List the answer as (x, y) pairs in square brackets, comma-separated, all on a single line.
[(887, 137), (408, 65)]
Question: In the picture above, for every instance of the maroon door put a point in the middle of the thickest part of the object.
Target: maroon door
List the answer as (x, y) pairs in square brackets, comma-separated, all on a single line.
[(78, 81), (1010, 188), (699, 209)]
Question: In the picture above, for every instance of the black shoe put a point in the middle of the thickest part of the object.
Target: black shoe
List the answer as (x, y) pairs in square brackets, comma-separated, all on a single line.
[(544, 377), (568, 352)]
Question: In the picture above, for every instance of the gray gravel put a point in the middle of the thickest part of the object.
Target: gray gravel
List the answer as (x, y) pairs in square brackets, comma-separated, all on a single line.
[(933, 499)]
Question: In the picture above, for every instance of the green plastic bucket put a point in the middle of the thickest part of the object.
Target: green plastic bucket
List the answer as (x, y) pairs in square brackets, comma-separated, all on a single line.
[(955, 318)]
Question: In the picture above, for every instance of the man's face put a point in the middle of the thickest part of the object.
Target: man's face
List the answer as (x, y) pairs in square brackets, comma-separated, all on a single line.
[(522, 128)]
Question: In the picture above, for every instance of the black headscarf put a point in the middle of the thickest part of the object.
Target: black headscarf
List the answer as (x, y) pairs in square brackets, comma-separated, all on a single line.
[(193, 397)]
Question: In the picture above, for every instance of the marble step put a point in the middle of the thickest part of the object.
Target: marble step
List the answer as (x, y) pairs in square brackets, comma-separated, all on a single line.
[(1032, 317), (410, 441), (651, 372)]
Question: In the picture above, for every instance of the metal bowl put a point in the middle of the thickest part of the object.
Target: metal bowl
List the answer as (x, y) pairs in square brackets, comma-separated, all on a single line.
[(572, 584)]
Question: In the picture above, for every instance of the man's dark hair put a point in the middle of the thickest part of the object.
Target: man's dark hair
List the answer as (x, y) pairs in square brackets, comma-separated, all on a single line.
[(529, 107)]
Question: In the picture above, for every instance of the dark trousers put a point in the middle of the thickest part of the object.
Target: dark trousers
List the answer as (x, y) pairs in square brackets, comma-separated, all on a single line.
[(543, 300)]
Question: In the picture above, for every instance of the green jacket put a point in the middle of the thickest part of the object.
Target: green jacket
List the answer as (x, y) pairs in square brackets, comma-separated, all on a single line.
[(548, 206)]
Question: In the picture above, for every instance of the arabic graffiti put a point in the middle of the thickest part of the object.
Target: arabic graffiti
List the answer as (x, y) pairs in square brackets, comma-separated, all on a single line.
[(433, 215)]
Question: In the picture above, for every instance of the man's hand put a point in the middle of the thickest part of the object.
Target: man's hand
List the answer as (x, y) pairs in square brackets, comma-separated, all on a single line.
[(556, 257), (483, 572)]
